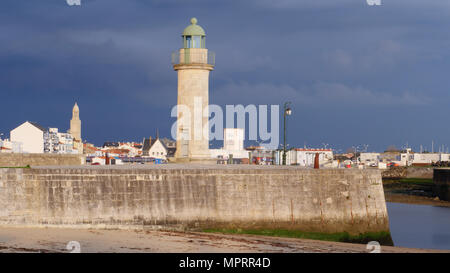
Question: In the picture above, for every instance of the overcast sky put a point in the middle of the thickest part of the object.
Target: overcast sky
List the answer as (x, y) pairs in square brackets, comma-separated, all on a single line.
[(355, 74)]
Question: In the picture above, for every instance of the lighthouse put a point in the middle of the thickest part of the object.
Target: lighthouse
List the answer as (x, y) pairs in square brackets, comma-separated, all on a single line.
[(193, 63)]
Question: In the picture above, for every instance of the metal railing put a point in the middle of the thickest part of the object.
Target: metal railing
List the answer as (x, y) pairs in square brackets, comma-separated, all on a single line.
[(188, 57)]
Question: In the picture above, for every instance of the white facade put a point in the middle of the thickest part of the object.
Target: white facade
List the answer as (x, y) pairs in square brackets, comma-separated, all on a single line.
[(305, 157), (101, 160), (427, 158), (369, 158), (225, 154), (445, 157), (233, 144), (158, 150), (31, 136), (133, 151), (58, 143), (66, 144), (7, 146), (233, 139), (51, 141)]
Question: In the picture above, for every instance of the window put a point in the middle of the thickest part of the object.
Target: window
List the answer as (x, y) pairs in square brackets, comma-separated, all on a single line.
[(188, 42), (194, 42), (197, 42)]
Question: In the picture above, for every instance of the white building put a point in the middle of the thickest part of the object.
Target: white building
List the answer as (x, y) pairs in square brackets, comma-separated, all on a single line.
[(131, 147), (7, 146), (30, 135), (445, 157), (101, 160), (56, 142), (409, 158), (369, 159), (155, 148), (305, 157), (233, 144), (66, 145), (427, 158), (233, 139), (225, 154)]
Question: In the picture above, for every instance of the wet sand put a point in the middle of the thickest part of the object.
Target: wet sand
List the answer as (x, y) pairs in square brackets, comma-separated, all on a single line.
[(31, 240), (414, 199)]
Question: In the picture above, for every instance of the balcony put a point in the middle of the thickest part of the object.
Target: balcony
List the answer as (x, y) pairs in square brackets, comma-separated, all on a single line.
[(193, 56)]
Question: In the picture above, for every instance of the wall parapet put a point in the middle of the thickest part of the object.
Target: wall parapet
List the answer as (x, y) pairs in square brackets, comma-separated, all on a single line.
[(22, 160), (333, 200)]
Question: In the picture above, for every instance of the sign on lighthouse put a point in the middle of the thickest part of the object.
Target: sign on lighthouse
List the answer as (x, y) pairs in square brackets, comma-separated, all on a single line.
[(193, 63)]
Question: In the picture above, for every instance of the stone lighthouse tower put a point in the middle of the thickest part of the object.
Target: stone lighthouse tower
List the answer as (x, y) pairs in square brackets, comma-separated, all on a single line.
[(193, 63), (75, 129)]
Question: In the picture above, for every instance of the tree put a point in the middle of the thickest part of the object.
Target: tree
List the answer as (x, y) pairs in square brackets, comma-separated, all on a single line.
[(391, 148)]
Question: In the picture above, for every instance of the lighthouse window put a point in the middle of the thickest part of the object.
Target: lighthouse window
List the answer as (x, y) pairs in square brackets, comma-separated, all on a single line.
[(197, 42), (188, 43)]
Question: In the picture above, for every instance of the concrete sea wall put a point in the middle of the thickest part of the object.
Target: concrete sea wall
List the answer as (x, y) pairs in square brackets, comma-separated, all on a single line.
[(195, 197), (441, 180), (21, 160)]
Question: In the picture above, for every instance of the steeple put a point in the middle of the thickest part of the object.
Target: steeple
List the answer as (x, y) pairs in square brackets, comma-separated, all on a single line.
[(76, 111), (75, 123), (75, 129)]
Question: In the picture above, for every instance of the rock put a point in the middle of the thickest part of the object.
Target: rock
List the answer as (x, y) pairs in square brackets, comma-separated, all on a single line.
[(394, 172)]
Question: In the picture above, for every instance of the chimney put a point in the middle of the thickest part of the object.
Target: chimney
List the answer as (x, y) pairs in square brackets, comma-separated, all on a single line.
[(316, 161)]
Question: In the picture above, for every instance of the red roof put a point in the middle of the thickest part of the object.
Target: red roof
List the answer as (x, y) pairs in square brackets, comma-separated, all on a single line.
[(117, 151)]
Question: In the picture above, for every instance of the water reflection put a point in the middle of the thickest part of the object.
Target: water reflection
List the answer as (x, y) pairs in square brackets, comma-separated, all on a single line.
[(419, 226)]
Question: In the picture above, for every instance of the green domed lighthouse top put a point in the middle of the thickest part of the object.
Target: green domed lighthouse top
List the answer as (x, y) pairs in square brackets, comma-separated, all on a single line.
[(194, 29)]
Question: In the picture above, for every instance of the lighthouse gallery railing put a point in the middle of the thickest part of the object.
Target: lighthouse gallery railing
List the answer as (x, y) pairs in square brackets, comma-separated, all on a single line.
[(189, 57)]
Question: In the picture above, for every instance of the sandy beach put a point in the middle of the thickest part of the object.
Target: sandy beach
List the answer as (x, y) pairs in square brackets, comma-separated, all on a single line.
[(55, 240)]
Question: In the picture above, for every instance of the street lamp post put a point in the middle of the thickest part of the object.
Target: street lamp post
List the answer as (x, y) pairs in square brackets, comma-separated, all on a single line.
[(287, 112)]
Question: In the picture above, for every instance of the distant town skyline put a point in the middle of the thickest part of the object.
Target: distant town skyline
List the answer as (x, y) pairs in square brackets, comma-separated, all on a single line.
[(355, 74)]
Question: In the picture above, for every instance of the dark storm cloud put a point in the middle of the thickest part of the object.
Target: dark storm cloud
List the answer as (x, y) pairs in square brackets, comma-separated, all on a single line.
[(355, 73)]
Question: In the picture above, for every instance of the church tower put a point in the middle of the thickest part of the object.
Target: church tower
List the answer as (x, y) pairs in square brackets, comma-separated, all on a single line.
[(193, 63), (75, 129)]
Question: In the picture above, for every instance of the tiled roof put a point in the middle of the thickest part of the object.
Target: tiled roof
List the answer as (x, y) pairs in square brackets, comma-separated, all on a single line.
[(171, 151), (148, 143), (117, 151), (38, 126)]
